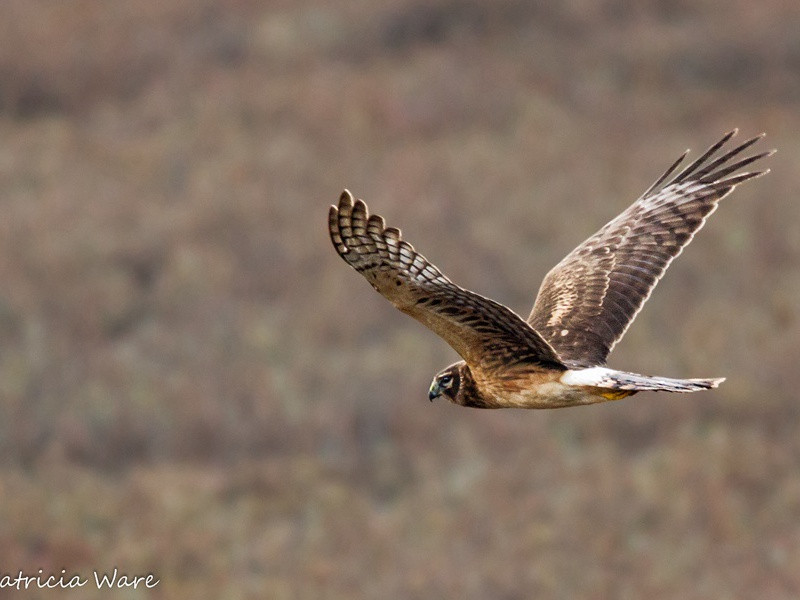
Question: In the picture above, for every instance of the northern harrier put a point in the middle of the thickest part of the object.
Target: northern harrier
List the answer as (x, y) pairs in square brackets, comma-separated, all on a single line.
[(585, 304)]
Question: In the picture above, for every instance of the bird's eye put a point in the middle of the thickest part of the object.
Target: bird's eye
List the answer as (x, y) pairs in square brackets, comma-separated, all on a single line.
[(446, 380)]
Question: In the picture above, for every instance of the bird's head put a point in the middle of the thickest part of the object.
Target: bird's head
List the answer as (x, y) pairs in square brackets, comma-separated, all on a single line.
[(447, 383)]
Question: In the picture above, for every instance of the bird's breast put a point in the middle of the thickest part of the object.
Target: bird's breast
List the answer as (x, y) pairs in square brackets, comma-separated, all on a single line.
[(538, 389)]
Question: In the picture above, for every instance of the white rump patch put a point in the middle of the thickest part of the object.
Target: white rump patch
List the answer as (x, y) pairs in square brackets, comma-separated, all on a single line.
[(591, 376), (564, 332)]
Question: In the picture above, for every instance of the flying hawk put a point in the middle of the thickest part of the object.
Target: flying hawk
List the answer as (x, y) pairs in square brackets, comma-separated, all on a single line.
[(585, 304)]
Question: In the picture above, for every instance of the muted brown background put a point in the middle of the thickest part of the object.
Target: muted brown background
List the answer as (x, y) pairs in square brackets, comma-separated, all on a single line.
[(192, 382)]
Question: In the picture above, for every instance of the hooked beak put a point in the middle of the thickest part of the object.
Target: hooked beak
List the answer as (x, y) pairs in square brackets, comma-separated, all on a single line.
[(434, 392)]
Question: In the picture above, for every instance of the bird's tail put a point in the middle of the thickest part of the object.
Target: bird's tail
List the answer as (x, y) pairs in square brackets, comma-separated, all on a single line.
[(641, 383), (622, 381)]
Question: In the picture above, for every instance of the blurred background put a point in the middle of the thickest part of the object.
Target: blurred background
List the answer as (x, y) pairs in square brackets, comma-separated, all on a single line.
[(193, 384)]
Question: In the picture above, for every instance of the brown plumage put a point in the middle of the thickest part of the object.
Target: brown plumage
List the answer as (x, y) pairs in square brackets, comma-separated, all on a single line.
[(584, 306)]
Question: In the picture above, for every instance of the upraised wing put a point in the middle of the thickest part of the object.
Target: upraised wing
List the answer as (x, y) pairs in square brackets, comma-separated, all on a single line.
[(486, 334), (588, 300)]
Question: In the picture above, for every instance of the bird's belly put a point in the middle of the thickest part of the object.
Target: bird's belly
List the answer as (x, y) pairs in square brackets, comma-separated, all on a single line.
[(553, 394), (538, 390)]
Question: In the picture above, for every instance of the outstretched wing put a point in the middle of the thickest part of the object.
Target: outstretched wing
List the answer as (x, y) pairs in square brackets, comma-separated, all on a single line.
[(588, 300), (486, 334)]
